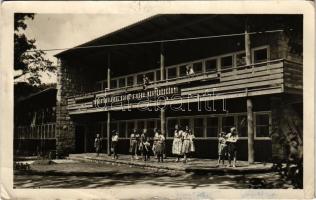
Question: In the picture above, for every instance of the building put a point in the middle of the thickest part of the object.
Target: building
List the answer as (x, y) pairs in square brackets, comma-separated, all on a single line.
[(35, 123), (247, 73)]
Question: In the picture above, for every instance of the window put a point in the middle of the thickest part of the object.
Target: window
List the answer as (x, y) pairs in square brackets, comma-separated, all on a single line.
[(197, 67), (140, 125), (139, 79), (240, 61), (150, 76), (260, 55), (158, 75), (104, 130), (158, 124), (114, 83), (170, 127), (130, 80), (226, 63), (130, 127), (172, 72), (212, 127), (122, 129), (198, 127), (227, 123), (262, 125), (122, 82), (242, 126), (113, 126), (150, 127), (211, 65), (183, 70), (183, 123)]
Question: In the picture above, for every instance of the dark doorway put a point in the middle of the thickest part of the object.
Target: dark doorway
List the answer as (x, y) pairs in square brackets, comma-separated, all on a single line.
[(80, 130)]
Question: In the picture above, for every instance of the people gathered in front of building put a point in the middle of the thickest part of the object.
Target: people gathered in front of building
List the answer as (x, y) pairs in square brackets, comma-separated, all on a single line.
[(182, 146)]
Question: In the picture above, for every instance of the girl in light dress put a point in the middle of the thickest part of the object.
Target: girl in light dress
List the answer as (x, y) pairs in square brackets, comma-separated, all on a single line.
[(187, 143), (177, 143)]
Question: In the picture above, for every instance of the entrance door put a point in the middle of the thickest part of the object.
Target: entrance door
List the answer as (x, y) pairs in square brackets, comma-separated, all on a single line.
[(80, 138)]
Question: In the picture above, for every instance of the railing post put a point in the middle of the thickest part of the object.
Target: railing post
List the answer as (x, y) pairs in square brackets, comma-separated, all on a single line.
[(249, 102)]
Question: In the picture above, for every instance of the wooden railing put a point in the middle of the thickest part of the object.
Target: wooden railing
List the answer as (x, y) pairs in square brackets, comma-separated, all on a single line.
[(249, 80), (43, 131)]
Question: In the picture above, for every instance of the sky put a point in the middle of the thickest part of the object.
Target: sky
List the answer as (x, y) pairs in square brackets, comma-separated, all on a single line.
[(68, 30)]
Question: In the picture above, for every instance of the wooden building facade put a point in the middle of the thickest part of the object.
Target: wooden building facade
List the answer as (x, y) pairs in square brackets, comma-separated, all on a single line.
[(247, 73)]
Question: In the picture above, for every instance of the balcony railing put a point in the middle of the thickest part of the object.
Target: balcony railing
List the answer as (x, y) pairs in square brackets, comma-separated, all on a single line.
[(275, 76)]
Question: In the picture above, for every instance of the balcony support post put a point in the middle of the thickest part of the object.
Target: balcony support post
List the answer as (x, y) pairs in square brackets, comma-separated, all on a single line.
[(108, 128), (162, 77), (250, 126)]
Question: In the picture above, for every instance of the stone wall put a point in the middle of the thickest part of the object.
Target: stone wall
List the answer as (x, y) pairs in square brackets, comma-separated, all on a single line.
[(287, 127)]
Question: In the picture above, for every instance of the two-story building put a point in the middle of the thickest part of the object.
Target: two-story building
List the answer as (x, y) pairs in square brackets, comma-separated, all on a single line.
[(210, 72)]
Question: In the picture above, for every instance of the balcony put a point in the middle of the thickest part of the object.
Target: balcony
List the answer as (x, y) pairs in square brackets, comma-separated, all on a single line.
[(224, 79)]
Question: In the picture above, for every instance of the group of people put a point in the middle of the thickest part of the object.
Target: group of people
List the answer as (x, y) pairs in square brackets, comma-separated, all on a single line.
[(182, 145), (140, 144), (227, 147)]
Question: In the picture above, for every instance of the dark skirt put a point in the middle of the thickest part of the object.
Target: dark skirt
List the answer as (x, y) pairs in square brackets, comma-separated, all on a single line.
[(160, 148), (231, 147)]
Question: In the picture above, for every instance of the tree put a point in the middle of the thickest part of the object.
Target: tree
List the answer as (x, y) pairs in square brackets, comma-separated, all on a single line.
[(27, 58)]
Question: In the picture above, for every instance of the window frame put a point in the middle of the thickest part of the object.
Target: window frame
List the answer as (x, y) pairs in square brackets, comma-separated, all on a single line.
[(269, 113), (257, 49)]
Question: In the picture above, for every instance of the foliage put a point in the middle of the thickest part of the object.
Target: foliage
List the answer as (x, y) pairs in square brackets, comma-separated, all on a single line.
[(27, 58)]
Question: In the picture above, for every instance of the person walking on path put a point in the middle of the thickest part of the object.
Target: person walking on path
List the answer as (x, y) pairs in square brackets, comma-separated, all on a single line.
[(160, 146), (134, 144), (222, 148), (114, 144), (97, 144), (177, 143), (231, 142), (187, 143)]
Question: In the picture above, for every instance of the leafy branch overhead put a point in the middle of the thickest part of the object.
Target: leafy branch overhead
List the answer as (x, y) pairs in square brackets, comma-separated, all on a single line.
[(27, 58)]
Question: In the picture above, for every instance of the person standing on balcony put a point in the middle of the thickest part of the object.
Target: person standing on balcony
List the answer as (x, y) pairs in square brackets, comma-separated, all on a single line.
[(145, 82), (97, 144), (231, 142), (134, 144), (177, 143), (114, 144), (189, 70)]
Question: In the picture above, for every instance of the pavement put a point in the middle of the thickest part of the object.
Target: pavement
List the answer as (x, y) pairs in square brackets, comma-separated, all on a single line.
[(195, 165)]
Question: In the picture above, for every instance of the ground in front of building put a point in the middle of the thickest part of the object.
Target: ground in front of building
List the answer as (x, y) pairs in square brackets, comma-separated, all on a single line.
[(114, 175)]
